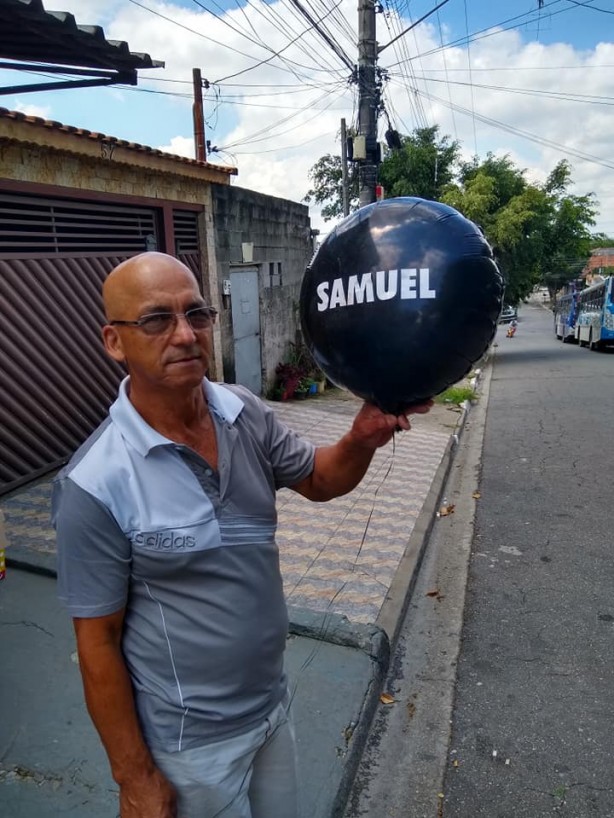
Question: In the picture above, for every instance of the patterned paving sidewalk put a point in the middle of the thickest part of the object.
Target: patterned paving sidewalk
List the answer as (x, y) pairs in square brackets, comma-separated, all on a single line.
[(337, 557), (341, 556)]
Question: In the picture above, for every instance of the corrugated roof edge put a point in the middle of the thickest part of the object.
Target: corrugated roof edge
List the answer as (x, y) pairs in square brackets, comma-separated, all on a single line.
[(39, 122), (35, 12)]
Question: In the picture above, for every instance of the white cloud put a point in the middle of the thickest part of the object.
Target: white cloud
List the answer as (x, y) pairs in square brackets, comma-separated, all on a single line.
[(43, 111), (86, 12), (274, 146), (180, 146)]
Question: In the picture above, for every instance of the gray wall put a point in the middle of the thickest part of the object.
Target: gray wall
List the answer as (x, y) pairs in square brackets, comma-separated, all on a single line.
[(282, 247)]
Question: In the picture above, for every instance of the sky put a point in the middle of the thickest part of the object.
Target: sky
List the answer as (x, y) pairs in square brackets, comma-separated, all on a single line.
[(526, 78)]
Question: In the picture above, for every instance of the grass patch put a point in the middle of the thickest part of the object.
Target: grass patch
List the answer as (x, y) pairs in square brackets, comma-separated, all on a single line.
[(457, 395)]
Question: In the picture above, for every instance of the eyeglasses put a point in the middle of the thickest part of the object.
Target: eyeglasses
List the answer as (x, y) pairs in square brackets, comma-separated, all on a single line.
[(158, 323)]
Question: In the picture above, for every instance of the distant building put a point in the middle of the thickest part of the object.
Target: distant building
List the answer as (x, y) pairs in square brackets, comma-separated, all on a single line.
[(600, 259)]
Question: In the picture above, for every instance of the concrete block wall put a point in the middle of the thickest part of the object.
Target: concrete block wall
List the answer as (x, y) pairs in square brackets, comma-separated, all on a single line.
[(280, 232)]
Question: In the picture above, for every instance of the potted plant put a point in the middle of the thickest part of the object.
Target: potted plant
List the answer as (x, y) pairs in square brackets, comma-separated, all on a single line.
[(287, 377), (303, 388)]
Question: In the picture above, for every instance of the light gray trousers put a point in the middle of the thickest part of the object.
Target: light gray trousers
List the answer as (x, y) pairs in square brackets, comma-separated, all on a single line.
[(248, 776)]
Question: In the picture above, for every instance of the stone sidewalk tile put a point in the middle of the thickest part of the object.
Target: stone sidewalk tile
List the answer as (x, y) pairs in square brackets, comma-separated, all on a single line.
[(338, 557), (27, 518)]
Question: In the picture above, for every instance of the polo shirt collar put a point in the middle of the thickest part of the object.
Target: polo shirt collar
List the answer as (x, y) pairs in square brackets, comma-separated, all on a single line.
[(224, 403), (144, 437)]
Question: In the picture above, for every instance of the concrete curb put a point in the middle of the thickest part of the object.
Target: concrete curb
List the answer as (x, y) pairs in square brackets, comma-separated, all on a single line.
[(395, 605), (402, 586), (25, 559), (338, 630)]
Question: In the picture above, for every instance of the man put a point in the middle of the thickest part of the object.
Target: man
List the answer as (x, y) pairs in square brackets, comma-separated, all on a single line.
[(167, 560)]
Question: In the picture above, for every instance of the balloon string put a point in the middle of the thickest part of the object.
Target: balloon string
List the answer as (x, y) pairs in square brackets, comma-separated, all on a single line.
[(364, 536), (328, 620), (341, 522)]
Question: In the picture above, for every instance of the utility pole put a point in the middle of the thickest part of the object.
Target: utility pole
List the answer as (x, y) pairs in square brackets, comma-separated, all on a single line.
[(344, 169), (368, 103), (200, 145)]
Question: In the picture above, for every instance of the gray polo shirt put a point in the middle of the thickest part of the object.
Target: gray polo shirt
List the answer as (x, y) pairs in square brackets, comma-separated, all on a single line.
[(146, 524)]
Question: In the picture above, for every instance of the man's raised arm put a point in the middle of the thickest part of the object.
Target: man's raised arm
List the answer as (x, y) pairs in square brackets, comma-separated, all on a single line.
[(340, 468)]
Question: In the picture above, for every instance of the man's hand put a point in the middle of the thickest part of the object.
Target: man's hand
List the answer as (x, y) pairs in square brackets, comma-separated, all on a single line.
[(373, 428), (150, 796), (339, 468)]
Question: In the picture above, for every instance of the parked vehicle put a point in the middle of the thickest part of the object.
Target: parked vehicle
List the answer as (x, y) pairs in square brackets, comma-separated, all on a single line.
[(565, 316), (508, 313), (595, 322)]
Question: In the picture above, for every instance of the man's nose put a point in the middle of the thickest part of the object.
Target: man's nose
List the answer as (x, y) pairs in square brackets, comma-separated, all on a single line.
[(183, 331)]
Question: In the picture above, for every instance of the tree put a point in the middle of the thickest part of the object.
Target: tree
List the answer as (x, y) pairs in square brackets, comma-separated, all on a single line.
[(327, 179), (509, 181), (424, 165), (538, 233), (568, 240), (601, 240), (476, 200)]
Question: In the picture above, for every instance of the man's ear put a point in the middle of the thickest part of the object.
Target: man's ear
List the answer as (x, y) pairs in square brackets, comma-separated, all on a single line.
[(113, 343)]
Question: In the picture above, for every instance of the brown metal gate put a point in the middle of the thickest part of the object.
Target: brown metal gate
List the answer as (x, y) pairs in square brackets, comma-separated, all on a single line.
[(56, 382)]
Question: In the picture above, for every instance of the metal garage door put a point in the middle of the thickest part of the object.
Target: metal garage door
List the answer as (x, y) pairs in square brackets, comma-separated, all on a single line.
[(56, 382)]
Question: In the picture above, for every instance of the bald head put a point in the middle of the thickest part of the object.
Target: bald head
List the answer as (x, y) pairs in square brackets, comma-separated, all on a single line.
[(138, 279)]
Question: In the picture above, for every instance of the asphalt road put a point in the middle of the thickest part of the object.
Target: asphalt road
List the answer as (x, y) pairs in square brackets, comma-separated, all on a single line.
[(503, 675), (533, 722)]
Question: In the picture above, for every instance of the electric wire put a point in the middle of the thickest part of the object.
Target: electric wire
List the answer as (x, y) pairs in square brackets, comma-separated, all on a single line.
[(284, 147), (475, 133), (266, 61), (413, 73), (278, 23), (587, 157), (258, 40), (490, 31), (222, 19), (564, 96), (270, 14), (342, 24), (415, 102), (590, 6), (268, 131), (235, 50), (445, 66)]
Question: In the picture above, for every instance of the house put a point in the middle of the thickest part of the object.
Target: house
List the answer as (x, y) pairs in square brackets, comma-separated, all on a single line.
[(73, 204), (600, 260)]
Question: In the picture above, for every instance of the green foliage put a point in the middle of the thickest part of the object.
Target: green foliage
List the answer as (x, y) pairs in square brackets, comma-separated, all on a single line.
[(296, 374), (601, 240), (508, 180), (457, 395), (326, 176), (423, 166), (475, 200), (540, 234)]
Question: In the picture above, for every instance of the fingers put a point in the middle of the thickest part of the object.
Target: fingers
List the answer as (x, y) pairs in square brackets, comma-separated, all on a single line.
[(376, 419), (419, 408)]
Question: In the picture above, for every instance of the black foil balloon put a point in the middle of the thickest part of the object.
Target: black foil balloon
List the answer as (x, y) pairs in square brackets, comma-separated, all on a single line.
[(400, 300)]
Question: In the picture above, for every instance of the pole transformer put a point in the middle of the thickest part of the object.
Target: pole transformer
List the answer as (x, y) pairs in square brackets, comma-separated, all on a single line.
[(368, 101)]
